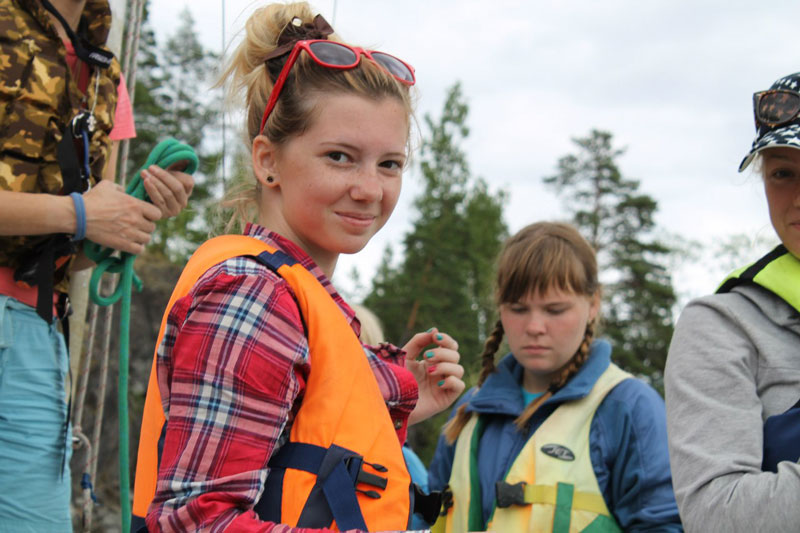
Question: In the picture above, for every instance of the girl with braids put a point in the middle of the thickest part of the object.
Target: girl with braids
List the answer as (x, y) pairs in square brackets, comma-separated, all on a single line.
[(274, 416), (554, 437)]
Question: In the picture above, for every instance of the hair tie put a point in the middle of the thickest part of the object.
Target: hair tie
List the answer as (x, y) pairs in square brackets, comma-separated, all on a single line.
[(295, 31)]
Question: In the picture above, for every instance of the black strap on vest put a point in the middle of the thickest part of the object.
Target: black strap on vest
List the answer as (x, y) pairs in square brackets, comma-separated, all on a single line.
[(85, 50), (275, 260), (339, 471), (750, 272), (427, 505)]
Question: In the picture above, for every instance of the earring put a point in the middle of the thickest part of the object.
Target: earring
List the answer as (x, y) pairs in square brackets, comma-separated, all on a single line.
[(270, 179)]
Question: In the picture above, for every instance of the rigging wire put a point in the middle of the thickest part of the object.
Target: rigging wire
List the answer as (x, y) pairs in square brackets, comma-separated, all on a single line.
[(134, 10), (223, 106), (132, 47)]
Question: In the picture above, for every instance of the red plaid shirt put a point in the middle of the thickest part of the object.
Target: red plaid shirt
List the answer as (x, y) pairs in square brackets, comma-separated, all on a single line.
[(232, 368)]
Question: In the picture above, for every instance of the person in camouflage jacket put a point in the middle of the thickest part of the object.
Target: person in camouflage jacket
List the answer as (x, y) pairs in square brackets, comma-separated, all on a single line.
[(40, 95)]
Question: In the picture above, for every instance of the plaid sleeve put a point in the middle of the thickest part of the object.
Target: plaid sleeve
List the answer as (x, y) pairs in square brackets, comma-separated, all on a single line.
[(397, 384), (233, 360)]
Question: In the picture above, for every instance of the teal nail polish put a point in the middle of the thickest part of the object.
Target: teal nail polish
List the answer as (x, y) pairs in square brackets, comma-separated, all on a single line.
[(439, 336), (431, 329), (441, 383), (429, 354)]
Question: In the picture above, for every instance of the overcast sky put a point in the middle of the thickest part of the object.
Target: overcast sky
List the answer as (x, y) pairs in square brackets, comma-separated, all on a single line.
[(672, 80)]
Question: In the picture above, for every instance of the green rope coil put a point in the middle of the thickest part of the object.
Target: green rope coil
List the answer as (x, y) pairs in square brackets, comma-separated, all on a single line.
[(166, 153)]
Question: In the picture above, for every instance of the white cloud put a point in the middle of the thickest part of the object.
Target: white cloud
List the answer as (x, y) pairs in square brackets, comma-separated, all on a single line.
[(671, 80)]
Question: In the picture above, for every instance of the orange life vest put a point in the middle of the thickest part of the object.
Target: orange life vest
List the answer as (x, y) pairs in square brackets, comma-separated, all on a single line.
[(343, 466)]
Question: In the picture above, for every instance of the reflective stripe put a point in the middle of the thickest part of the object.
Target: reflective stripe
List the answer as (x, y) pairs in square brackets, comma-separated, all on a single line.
[(563, 511), (475, 510), (602, 524), (547, 494)]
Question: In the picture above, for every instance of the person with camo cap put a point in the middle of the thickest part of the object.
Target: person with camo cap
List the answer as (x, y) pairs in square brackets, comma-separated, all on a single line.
[(63, 109), (733, 372)]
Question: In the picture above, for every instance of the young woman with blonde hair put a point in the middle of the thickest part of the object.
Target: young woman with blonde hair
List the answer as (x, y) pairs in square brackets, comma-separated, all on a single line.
[(274, 415), (554, 437)]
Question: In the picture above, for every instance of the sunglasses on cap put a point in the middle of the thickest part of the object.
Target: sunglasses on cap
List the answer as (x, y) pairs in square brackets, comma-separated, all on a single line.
[(336, 55), (775, 107)]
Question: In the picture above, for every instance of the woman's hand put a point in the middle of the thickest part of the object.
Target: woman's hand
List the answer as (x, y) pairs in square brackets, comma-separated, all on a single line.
[(437, 372), (117, 219), (169, 190)]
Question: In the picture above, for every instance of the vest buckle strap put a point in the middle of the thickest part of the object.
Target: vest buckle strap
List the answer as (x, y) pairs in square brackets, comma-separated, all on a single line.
[(447, 501), (508, 495), (333, 496), (373, 480), (428, 505)]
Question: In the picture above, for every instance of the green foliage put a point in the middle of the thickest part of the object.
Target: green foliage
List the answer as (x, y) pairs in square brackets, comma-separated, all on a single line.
[(445, 275), (172, 100), (619, 221)]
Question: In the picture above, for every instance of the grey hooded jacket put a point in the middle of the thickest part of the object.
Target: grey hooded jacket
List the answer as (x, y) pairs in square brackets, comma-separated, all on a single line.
[(733, 362)]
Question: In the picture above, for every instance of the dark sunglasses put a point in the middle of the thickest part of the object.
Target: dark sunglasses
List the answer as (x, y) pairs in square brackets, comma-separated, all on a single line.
[(775, 107), (331, 54)]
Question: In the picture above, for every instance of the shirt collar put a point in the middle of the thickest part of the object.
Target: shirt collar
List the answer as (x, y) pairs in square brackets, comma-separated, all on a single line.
[(298, 254), (500, 394)]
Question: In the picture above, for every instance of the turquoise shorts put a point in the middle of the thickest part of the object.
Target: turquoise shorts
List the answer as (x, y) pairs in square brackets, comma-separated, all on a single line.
[(34, 439)]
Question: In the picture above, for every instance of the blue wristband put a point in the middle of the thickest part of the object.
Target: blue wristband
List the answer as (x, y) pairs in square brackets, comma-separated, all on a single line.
[(80, 216)]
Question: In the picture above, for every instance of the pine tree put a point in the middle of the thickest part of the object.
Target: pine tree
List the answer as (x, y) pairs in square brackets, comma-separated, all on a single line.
[(445, 276), (619, 222)]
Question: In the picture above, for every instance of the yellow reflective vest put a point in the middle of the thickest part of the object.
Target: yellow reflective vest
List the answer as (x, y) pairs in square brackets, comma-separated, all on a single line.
[(778, 272), (551, 485)]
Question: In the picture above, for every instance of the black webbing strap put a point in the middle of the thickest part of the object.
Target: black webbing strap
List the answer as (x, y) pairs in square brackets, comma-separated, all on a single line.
[(85, 50), (750, 272)]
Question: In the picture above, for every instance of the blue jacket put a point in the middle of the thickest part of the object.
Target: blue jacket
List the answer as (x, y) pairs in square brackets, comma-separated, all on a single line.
[(628, 441)]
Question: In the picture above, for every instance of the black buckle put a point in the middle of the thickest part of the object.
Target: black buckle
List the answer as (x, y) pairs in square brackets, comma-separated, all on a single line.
[(427, 505), (508, 495), (355, 465), (447, 501), (373, 480)]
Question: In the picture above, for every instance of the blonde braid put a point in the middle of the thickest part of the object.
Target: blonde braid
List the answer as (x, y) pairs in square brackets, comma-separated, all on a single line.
[(456, 424), (490, 348), (569, 370), (577, 361)]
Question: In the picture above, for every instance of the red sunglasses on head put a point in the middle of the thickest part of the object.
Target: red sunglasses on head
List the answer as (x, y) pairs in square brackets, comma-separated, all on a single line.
[(775, 107), (331, 54)]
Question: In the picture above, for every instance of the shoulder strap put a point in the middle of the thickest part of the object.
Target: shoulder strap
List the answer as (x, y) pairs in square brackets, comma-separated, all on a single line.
[(746, 274), (85, 50)]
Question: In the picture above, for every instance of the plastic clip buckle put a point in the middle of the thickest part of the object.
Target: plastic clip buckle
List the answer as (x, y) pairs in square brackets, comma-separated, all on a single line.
[(508, 495)]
